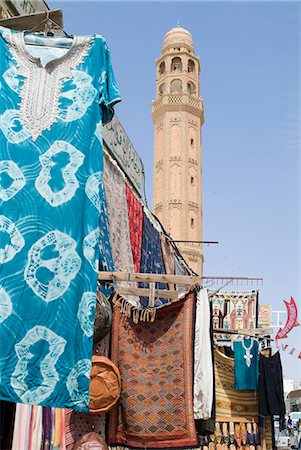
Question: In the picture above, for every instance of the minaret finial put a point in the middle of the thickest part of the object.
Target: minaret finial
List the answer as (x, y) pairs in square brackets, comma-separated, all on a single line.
[(178, 24)]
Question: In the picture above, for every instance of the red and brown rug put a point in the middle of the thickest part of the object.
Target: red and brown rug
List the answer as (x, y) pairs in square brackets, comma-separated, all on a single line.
[(155, 360)]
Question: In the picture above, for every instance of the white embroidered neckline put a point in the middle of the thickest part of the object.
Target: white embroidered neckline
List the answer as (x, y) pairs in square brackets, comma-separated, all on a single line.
[(41, 89), (248, 356)]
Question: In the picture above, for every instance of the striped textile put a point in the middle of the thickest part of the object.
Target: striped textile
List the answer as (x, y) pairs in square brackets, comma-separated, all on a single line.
[(230, 403)]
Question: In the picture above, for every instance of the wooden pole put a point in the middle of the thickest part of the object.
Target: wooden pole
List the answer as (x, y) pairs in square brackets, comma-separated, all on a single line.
[(30, 21)]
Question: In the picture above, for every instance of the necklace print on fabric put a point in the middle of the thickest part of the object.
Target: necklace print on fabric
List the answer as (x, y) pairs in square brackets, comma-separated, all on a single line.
[(248, 357), (41, 89)]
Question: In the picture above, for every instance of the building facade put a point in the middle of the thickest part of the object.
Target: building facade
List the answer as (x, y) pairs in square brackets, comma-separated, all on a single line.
[(178, 116)]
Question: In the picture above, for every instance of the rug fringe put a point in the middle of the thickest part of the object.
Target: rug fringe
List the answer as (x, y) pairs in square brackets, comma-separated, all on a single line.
[(142, 314), (137, 314), (121, 447)]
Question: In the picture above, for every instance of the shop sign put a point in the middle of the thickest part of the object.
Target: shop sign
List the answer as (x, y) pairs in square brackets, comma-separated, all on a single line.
[(24, 7), (264, 315), (122, 149), (4, 12)]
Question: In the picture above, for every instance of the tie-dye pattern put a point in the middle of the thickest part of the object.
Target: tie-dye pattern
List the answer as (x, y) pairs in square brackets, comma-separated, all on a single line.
[(53, 225)]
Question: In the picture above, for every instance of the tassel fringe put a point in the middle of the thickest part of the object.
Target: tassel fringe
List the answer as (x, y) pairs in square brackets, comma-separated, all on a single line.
[(121, 447), (142, 314)]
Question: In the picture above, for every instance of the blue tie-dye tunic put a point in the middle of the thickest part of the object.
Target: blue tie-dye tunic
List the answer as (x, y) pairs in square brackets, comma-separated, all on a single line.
[(53, 235)]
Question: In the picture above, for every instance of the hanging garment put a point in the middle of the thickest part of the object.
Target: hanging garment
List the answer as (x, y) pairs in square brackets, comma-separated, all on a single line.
[(51, 202), (36, 439), (21, 427), (203, 369), (270, 390), (246, 364), (207, 426), (155, 360)]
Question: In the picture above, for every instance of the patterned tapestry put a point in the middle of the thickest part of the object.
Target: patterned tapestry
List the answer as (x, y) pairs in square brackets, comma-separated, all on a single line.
[(151, 258), (115, 193), (135, 216), (155, 360), (234, 310)]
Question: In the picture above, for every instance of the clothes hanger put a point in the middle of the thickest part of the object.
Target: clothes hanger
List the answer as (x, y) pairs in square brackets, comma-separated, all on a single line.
[(49, 29)]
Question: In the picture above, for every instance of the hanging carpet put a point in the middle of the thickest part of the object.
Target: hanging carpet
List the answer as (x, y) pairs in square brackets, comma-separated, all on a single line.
[(151, 259), (155, 360), (135, 216)]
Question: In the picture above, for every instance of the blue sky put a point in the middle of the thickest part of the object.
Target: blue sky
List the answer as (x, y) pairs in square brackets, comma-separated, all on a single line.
[(250, 83)]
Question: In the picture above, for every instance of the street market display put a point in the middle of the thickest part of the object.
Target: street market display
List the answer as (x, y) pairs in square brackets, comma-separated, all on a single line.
[(142, 372)]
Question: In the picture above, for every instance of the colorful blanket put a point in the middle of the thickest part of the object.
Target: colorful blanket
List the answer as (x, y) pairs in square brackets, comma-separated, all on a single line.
[(151, 258), (230, 403), (135, 216), (155, 360), (115, 191), (114, 184)]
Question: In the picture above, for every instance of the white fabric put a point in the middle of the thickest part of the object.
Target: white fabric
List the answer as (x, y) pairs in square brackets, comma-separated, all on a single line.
[(203, 367), (37, 428)]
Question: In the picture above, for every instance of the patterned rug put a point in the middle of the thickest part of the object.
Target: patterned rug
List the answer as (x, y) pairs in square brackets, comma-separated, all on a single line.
[(156, 364), (114, 184), (115, 192), (135, 215), (151, 259)]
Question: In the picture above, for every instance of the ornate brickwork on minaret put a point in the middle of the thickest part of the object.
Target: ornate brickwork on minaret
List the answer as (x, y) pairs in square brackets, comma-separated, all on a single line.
[(178, 116)]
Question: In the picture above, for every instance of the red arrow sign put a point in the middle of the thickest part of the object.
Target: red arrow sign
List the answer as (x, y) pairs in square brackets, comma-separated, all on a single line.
[(291, 321)]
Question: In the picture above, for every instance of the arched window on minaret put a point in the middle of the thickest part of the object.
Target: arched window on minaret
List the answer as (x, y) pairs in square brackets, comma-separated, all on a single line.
[(191, 88), (191, 66), (162, 68), (176, 86), (176, 64), (162, 89), (192, 142), (193, 225)]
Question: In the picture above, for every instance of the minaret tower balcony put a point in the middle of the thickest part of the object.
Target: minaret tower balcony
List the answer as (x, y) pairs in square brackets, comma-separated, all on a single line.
[(178, 102)]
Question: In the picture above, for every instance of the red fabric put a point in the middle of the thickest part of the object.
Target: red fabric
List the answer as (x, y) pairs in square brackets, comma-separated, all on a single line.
[(135, 215)]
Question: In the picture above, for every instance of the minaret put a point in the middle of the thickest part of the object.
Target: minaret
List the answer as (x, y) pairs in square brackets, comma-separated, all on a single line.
[(178, 116)]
